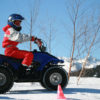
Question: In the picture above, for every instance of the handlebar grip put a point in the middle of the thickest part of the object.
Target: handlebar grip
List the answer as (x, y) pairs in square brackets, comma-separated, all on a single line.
[(42, 49)]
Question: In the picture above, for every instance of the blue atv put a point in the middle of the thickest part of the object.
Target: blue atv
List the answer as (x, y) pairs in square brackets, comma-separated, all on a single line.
[(45, 69)]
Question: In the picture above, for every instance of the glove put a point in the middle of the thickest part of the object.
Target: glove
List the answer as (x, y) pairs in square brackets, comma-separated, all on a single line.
[(38, 42), (42, 49), (32, 38)]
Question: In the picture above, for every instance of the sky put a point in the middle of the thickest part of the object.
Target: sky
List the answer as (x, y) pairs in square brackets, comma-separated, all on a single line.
[(51, 12)]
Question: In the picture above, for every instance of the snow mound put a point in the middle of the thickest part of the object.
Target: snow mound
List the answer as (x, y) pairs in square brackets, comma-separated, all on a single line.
[(77, 63)]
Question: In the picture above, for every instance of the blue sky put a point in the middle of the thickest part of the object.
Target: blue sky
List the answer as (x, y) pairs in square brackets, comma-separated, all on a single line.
[(55, 11)]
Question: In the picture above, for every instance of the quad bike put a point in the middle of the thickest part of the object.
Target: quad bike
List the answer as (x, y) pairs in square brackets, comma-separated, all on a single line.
[(44, 69)]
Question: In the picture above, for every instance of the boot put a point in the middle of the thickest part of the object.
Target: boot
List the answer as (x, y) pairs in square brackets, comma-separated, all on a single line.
[(26, 69)]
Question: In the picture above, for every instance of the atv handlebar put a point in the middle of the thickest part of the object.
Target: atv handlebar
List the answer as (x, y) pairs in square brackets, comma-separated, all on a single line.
[(42, 48)]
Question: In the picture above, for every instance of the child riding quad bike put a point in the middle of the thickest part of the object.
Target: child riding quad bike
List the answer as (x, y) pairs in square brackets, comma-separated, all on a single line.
[(44, 69), (15, 64)]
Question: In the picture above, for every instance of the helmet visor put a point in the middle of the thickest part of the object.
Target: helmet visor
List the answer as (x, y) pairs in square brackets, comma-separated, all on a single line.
[(17, 23)]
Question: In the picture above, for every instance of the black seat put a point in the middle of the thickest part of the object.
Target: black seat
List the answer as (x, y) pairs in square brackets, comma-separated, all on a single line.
[(11, 58)]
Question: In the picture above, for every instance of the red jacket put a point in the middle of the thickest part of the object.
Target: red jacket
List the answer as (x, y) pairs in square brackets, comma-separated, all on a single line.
[(13, 37)]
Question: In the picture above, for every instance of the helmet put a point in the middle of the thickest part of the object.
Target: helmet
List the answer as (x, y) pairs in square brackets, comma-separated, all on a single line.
[(13, 18)]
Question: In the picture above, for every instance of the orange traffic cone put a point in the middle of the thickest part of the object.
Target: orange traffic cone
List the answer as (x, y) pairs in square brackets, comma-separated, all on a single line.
[(60, 93)]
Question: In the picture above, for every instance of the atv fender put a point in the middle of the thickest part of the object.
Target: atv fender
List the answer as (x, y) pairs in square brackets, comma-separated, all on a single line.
[(45, 58)]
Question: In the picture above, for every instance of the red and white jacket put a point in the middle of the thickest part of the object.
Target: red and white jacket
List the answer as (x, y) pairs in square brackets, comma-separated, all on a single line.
[(13, 37)]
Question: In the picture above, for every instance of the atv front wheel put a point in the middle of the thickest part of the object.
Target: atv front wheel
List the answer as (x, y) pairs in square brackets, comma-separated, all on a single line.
[(6, 80), (55, 76)]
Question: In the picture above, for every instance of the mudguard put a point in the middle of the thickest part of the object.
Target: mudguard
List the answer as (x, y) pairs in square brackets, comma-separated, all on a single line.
[(44, 58), (15, 63)]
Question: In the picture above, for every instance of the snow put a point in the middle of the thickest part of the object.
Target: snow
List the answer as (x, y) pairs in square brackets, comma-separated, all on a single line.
[(77, 63), (88, 89)]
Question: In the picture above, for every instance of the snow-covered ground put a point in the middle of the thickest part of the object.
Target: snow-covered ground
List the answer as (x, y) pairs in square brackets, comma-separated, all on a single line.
[(88, 89)]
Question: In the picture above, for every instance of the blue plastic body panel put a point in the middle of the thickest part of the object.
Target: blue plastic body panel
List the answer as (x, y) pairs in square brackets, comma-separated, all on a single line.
[(13, 62), (45, 58), (41, 57)]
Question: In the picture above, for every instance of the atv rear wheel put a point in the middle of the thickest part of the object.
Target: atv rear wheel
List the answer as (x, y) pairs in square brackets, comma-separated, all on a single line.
[(55, 76), (6, 80)]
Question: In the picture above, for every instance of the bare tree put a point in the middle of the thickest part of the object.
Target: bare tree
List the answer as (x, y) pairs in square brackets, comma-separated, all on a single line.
[(33, 16), (49, 32), (85, 31), (73, 12), (92, 43)]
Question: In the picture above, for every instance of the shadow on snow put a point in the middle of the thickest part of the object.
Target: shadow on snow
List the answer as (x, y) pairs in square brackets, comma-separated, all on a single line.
[(81, 90), (4, 98), (66, 91), (37, 91)]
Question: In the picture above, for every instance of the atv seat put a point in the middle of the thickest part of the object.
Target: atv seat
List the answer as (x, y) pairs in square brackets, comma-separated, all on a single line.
[(11, 58)]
